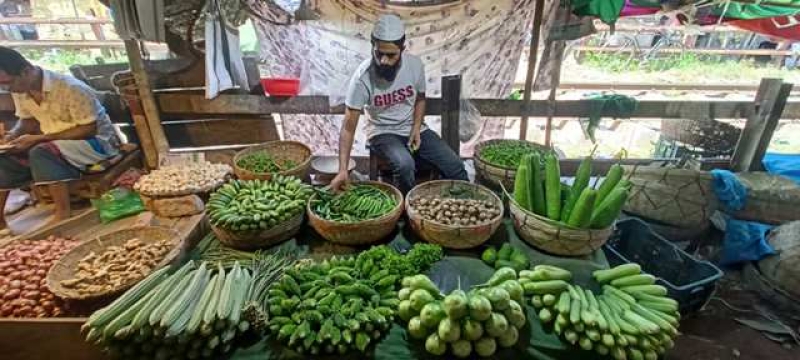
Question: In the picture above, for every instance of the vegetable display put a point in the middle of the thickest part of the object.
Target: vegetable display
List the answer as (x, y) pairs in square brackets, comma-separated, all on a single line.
[(248, 205), (183, 179), (196, 311), (538, 189), (631, 319), (342, 304), (507, 154), (480, 321), (23, 274), (357, 203), (507, 256), (459, 212), (261, 162), (117, 266)]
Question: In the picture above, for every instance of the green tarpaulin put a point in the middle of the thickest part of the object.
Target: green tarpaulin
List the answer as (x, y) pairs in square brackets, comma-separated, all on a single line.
[(466, 268), (751, 11)]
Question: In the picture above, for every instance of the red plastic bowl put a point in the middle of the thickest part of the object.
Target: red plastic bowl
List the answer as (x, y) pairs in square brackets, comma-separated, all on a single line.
[(281, 86)]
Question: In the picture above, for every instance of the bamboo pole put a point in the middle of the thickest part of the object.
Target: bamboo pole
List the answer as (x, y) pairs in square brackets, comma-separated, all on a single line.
[(533, 51), (151, 112)]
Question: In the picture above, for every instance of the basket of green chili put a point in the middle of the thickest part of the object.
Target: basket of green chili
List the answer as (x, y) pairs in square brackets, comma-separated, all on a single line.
[(496, 160), (261, 162), (365, 213)]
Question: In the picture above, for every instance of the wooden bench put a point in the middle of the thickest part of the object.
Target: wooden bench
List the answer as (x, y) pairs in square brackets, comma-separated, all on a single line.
[(92, 186)]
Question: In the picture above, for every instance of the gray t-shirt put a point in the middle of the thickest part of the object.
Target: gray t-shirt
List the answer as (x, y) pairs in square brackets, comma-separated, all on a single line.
[(389, 105)]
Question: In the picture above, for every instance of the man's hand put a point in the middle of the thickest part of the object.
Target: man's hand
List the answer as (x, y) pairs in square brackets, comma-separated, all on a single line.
[(414, 141), (25, 142), (341, 181)]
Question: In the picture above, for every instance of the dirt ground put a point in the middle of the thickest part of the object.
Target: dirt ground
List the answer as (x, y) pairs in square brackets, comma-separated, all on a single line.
[(714, 334)]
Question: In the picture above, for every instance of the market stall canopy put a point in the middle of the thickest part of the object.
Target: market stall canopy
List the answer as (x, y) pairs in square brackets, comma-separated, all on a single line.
[(773, 18)]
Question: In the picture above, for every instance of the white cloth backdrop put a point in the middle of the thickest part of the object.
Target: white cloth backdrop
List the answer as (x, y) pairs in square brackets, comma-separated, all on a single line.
[(480, 39)]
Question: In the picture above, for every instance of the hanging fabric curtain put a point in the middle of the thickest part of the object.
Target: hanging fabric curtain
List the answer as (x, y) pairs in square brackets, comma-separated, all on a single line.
[(224, 64), (480, 39)]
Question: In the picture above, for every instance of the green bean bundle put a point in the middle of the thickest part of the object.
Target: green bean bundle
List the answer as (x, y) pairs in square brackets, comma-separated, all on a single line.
[(506, 154), (261, 162), (357, 203)]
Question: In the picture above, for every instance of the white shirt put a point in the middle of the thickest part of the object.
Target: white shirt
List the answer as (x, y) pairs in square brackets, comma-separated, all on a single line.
[(389, 104), (67, 103)]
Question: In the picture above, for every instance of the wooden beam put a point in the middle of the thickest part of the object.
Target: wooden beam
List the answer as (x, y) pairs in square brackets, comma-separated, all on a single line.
[(533, 51), (616, 49), (151, 112), (42, 21), (73, 44), (196, 104), (760, 125), (451, 111)]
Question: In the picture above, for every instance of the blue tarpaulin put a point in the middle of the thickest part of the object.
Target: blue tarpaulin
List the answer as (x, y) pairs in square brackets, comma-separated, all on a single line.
[(787, 165)]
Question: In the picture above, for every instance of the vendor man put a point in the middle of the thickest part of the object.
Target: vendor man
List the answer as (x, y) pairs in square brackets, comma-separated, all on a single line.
[(62, 130), (390, 86)]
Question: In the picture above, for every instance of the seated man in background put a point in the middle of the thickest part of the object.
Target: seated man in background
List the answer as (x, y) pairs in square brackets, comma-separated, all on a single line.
[(62, 130), (390, 88)]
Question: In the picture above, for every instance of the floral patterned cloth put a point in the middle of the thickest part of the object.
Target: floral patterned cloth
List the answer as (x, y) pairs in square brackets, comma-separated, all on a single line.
[(480, 39)]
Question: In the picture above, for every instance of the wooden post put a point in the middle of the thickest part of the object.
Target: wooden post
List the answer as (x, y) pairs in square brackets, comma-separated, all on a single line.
[(757, 133), (533, 51), (151, 114), (451, 111)]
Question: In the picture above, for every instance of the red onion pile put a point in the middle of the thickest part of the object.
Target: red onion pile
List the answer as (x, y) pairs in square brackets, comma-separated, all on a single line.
[(23, 277)]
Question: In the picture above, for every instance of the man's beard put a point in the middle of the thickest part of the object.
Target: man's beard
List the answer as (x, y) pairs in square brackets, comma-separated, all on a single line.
[(388, 72)]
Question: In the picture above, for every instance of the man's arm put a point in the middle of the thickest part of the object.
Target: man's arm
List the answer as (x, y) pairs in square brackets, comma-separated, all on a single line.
[(419, 113), (28, 126), (346, 137), (80, 132)]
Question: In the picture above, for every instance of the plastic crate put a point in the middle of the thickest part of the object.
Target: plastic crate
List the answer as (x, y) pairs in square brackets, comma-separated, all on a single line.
[(689, 281)]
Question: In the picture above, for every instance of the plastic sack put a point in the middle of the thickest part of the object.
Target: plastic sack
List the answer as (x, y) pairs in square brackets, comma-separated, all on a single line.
[(118, 203), (731, 193), (745, 241)]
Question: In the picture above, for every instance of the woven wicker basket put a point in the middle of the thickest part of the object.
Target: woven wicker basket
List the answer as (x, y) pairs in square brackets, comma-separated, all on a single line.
[(553, 237), (65, 268), (278, 150), (677, 197), (449, 236), (493, 175), (362, 232), (256, 239)]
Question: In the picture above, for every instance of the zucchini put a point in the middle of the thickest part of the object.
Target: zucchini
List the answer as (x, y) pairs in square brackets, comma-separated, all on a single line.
[(521, 182), (621, 295), (545, 287), (536, 187), (632, 280), (610, 181), (608, 275), (607, 211), (655, 290), (642, 324), (224, 303), (552, 187), (576, 192)]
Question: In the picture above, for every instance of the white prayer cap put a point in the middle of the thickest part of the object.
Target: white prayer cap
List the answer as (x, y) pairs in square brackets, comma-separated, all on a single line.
[(389, 28)]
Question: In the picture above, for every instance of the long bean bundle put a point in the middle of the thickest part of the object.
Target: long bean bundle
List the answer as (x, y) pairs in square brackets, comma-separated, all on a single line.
[(357, 203)]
